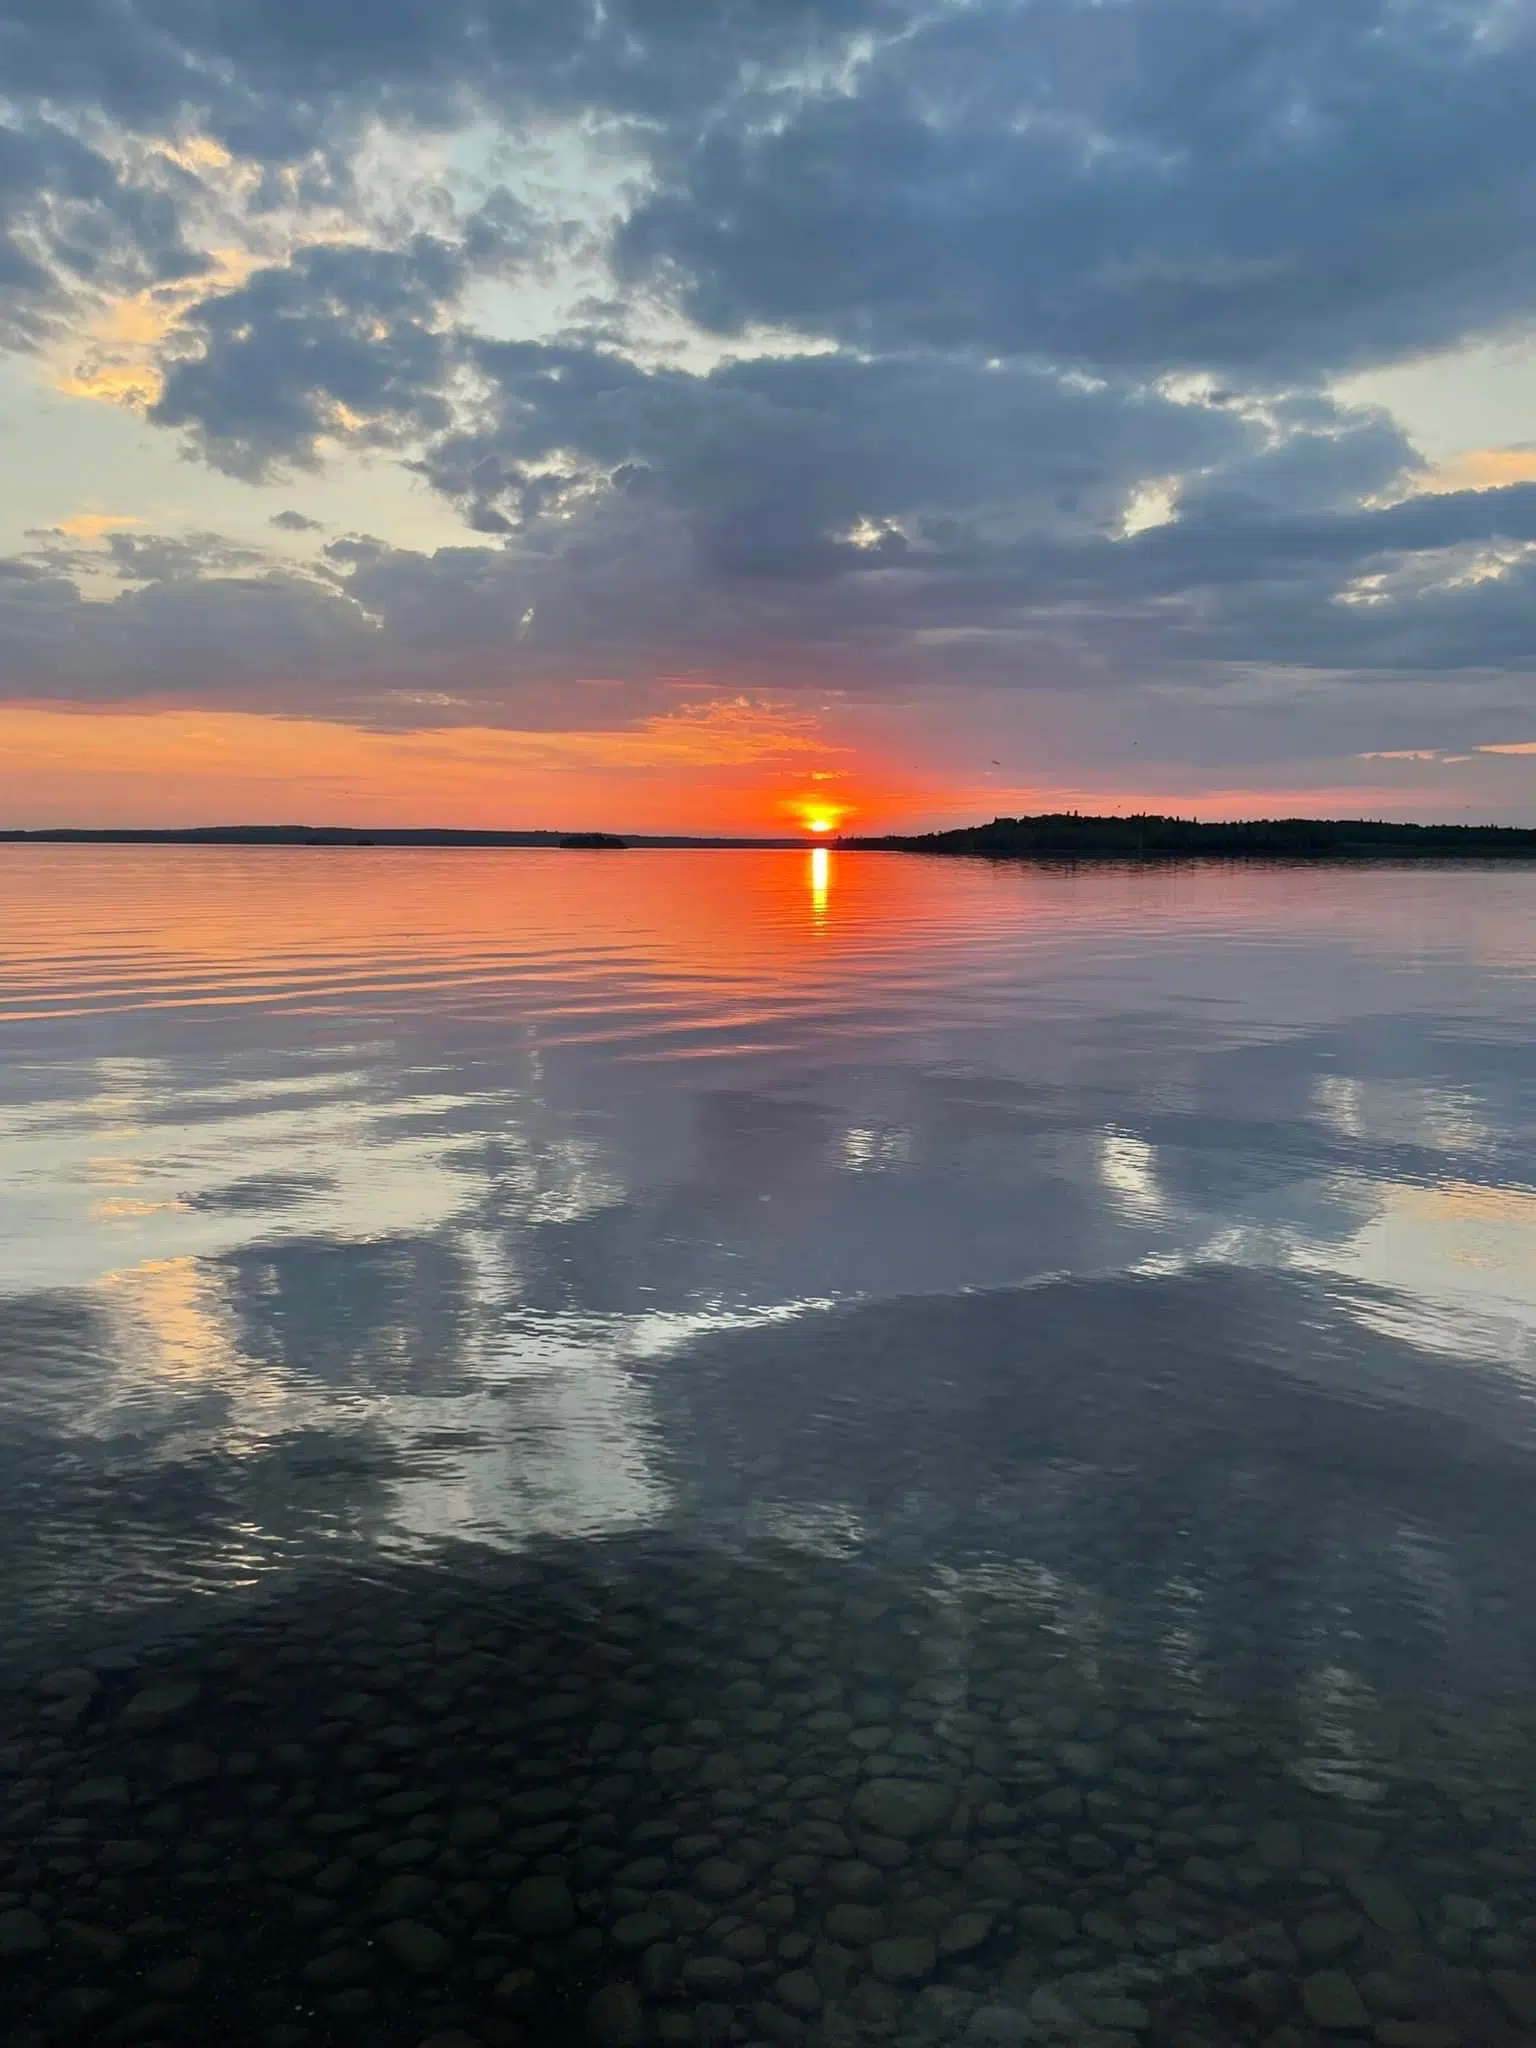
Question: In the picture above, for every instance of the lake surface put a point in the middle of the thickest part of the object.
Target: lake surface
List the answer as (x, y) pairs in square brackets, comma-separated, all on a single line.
[(816, 1446)]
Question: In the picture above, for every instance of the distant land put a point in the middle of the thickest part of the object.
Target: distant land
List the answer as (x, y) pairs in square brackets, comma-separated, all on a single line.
[(354, 835), (1054, 835), (1067, 834)]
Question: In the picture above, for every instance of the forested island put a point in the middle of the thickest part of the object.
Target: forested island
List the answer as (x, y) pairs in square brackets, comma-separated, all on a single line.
[(1071, 835)]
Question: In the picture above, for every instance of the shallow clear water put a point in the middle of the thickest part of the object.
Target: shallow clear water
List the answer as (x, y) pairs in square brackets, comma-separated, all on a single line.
[(822, 1320)]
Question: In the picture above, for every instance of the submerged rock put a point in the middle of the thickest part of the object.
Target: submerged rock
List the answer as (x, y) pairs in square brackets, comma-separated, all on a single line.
[(1333, 2003), (417, 1948), (903, 1959), (616, 2017), (903, 1808), (22, 1933), (541, 1905)]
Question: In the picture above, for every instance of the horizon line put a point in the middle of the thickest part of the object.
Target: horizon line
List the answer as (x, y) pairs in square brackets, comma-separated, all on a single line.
[(291, 832)]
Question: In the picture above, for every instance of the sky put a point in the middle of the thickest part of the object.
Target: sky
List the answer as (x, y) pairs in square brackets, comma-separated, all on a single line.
[(726, 415)]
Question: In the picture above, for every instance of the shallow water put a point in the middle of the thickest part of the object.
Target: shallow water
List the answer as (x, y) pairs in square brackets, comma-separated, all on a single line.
[(543, 1393)]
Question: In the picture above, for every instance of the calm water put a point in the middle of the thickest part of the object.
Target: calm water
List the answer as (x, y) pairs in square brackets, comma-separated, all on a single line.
[(994, 1325)]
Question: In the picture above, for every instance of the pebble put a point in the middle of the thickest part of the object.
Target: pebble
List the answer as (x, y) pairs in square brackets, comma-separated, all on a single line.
[(1322, 1936), (402, 1896), (660, 1968), (1469, 1913), (1516, 1992), (93, 1793), (857, 1924), (994, 1876), (190, 1763), (66, 1682), (1127, 2015), (718, 1878), (517, 1991), (1385, 1993), (473, 1826), (541, 1905), (799, 1990), (903, 1809), (903, 1959), (636, 1931), (153, 1705), (22, 1933), (1383, 1904), (616, 2017), (1333, 2003), (1089, 1852), (416, 1947), (967, 1931), (711, 1975), (1051, 1923), (1001, 2026), (1277, 1844), (339, 1968)]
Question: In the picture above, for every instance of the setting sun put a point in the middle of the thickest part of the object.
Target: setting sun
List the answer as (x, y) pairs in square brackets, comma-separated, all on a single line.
[(817, 814)]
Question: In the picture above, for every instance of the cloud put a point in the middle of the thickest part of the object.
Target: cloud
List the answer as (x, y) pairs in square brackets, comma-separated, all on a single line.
[(1286, 189), (73, 228), (193, 620), (273, 76), (1510, 747), (817, 346), (805, 465), (338, 343)]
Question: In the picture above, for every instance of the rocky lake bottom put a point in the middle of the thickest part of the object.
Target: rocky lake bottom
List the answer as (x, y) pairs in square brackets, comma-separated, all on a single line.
[(623, 1795)]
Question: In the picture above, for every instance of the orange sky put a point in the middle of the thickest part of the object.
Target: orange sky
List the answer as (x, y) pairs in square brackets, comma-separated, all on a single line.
[(732, 766)]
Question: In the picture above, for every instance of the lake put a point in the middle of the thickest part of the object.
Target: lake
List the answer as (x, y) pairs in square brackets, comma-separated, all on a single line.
[(815, 1446)]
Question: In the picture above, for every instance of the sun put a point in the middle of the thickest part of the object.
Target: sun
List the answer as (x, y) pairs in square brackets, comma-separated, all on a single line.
[(818, 815)]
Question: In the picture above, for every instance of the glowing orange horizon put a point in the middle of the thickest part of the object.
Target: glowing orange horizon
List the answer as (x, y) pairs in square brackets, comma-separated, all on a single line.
[(719, 768), (729, 767)]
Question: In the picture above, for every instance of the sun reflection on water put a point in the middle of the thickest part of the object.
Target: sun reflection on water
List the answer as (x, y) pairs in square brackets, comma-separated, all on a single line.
[(821, 882)]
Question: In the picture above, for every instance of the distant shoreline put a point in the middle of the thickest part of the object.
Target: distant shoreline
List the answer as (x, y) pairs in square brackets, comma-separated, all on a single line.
[(1053, 836), (1068, 836), (356, 836)]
